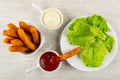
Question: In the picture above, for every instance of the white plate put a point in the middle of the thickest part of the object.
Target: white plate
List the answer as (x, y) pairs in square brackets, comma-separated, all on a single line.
[(75, 61)]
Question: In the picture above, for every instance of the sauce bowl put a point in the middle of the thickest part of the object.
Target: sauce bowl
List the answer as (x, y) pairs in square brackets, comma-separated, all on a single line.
[(51, 18), (40, 61)]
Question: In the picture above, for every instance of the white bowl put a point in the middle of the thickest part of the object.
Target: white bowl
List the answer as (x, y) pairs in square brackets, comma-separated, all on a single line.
[(59, 12), (40, 57)]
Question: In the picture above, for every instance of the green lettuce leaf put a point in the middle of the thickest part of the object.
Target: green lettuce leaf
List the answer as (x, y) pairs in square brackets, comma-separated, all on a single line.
[(90, 34)]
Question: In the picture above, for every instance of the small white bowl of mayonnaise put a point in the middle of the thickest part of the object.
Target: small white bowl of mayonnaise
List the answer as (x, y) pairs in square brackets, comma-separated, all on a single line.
[(51, 18)]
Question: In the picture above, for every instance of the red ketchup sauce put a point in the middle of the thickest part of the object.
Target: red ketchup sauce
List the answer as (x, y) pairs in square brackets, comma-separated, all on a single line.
[(45, 61)]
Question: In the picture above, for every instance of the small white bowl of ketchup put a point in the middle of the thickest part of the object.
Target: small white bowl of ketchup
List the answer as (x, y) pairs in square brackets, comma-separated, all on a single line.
[(44, 61), (50, 60)]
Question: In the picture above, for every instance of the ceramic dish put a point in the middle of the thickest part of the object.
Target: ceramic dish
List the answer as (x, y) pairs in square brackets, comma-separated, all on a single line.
[(75, 61), (6, 46)]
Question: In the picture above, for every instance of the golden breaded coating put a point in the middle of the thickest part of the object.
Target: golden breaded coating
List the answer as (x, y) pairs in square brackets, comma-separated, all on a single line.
[(17, 42), (18, 49), (12, 32), (7, 40), (5, 33), (70, 53), (25, 39), (12, 26), (35, 35), (29, 36), (24, 26)]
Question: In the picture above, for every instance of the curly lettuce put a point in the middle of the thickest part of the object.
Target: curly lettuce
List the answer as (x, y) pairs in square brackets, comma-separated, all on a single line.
[(91, 34)]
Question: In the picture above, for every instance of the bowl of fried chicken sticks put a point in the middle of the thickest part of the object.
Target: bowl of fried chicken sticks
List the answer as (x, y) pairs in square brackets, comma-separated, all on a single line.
[(24, 38)]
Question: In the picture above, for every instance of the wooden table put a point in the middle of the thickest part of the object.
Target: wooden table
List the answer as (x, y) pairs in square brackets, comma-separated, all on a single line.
[(13, 65)]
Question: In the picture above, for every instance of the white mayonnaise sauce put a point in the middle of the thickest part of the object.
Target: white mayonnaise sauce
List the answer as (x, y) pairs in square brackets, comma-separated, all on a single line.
[(51, 19)]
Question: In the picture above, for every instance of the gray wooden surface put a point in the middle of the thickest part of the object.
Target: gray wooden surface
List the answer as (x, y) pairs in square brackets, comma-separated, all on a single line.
[(13, 65)]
